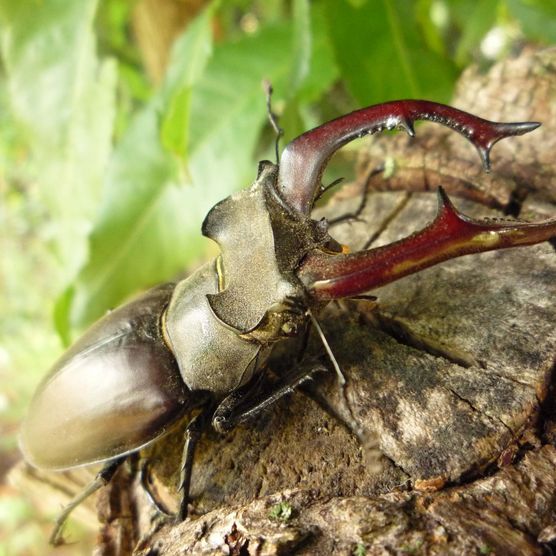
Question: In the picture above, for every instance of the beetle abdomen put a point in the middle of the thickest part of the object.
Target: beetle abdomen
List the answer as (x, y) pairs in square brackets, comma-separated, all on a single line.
[(117, 389)]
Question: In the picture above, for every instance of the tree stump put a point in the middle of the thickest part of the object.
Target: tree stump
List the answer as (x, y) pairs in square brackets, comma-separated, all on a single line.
[(443, 440)]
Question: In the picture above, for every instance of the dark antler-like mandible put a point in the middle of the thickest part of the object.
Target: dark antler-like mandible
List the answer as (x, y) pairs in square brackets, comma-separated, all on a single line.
[(305, 158), (450, 235)]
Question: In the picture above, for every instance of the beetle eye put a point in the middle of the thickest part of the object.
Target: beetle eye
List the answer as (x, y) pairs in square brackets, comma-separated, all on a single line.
[(322, 227), (289, 328)]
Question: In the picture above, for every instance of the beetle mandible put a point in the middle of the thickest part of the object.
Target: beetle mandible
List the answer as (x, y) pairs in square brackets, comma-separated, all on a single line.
[(203, 341)]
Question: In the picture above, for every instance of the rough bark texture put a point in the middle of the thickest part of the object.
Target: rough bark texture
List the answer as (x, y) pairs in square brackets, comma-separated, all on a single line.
[(443, 441)]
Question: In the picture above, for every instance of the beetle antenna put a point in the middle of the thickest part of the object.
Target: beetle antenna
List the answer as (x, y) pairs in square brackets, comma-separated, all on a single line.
[(341, 377), (267, 86)]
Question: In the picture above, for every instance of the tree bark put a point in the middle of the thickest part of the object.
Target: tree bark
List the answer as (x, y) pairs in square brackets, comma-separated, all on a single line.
[(444, 438)]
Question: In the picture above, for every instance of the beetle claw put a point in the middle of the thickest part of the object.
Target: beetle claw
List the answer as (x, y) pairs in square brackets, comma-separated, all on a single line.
[(450, 235), (486, 139), (407, 125), (304, 159)]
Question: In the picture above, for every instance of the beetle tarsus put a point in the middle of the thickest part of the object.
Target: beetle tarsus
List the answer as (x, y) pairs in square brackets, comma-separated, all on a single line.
[(362, 203)]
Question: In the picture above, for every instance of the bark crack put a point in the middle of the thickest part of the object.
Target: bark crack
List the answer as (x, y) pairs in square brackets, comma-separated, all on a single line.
[(403, 334), (477, 410)]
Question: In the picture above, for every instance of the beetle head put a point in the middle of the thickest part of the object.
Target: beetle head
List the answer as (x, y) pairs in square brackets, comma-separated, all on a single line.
[(262, 241)]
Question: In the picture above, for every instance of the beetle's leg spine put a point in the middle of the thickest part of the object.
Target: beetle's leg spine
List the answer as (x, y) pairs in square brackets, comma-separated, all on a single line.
[(234, 410)]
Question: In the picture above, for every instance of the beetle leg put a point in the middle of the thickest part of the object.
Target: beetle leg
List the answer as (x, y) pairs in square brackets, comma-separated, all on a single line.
[(304, 159), (144, 476), (450, 235), (193, 433), (222, 416), (102, 478), (362, 203), (236, 409)]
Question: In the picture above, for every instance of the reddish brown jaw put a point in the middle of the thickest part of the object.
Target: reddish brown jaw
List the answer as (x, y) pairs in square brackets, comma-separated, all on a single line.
[(450, 235), (305, 158)]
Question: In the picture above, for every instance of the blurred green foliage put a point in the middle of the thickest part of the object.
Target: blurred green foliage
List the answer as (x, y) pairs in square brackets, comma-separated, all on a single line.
[(127, 170), (105, 176)]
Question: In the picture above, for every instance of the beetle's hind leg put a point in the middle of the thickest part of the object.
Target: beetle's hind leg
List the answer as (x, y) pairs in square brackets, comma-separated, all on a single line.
[(239, 406), (145, 480), (101, 479)]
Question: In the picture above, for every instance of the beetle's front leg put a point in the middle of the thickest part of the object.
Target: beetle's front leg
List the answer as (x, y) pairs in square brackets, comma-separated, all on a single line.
[(240, 405), (353, 216)]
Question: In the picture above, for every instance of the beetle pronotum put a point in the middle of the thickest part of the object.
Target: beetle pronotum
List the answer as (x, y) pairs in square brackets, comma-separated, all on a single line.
[(200, 342)]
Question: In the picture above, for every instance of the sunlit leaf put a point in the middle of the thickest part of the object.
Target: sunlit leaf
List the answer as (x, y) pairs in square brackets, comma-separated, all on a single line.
[(537, 18), (315, 55), (322, 68), (189, 58), (381, 54), (63, 98)]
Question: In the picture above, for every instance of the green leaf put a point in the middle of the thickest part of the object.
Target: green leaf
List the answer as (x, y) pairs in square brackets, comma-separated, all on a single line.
[(175, 126), (62, 97), (282, 511), (149, 225), (302, 43), (130, 228), (359, 550), (313, 53), (322, 70), (481, 18), (381, 54), (189, 58), (432, 17), (537, 18), (61, 311)]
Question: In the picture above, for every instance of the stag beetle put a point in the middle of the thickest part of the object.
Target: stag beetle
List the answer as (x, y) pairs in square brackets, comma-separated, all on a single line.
[(202, 342)]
